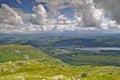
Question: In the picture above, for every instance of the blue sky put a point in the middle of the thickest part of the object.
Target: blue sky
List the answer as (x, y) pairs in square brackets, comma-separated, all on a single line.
[(26, 5), (60, 15)]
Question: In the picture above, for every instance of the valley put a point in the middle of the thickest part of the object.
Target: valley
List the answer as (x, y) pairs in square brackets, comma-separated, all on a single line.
[(51, 57)]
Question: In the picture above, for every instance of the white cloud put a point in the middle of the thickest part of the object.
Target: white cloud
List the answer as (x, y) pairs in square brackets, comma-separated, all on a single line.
[(10, 21), (19, 1), (110, 6), (39, 17), (84, 9), (88, 16), (9, 16), (63, 20)]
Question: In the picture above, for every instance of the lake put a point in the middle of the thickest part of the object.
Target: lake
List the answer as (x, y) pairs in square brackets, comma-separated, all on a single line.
[(99, 48)]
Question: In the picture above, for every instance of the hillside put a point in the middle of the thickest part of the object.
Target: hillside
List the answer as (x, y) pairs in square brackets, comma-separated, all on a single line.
[(35, 70), (20, 52), (32, 64)]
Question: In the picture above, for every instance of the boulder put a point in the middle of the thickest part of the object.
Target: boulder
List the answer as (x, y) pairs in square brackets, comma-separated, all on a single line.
[(84, 74)]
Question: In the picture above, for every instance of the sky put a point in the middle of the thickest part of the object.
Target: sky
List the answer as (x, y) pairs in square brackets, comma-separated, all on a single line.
[(58, 15)]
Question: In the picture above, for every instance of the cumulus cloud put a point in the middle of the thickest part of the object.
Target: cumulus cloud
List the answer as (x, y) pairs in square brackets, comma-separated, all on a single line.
[(84, 9), (53, 5), (63, 20), (39, 17), (9, 16), (9, 19), (111, 6), (88, 15)]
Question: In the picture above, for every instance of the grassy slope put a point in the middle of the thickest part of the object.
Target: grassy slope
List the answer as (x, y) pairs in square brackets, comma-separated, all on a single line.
[(44, 67), (19, 52), (78, 58), (34, 70)]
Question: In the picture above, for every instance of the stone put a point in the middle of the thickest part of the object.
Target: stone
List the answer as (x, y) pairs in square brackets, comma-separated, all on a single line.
[(58, 77), (85, 74)]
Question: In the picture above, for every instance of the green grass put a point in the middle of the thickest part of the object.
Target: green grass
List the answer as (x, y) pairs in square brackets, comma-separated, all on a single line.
[(79, 58), (35, 70), (19, 52), (43, 67)]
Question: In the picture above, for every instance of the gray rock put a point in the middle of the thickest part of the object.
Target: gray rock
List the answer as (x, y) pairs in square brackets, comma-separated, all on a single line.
[(21, 63), (4, 68), (85, 74), (58, 77)]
